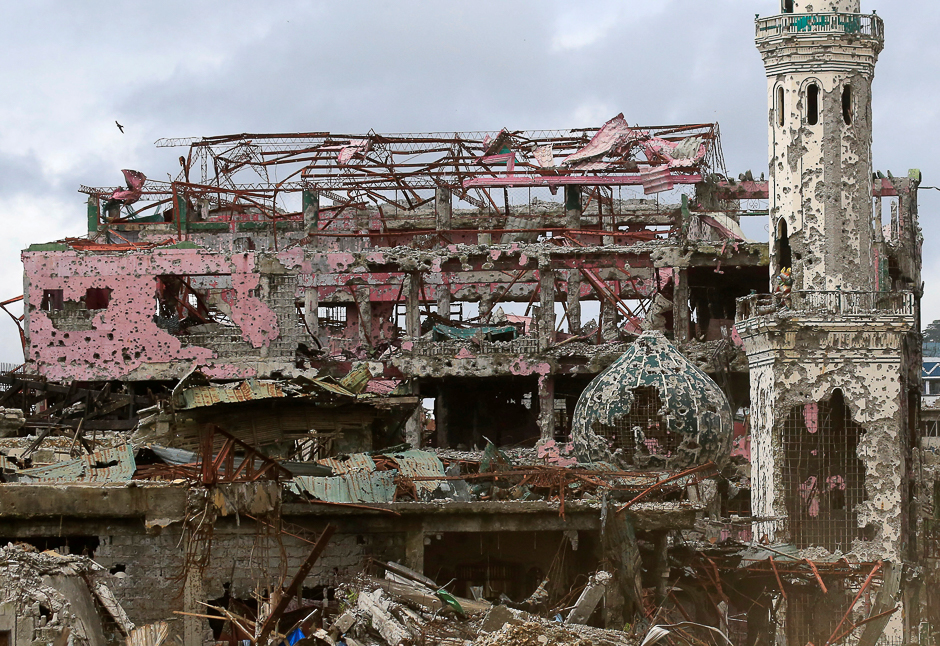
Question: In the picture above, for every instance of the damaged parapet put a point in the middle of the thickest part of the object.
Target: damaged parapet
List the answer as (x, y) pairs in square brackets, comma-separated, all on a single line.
[(652, 409)]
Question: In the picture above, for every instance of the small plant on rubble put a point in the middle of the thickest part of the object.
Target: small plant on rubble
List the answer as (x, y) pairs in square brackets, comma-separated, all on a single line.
[(349, 600)]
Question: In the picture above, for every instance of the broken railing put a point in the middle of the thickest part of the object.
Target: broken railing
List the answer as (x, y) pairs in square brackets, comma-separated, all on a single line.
[(831, 303), (820, 23)]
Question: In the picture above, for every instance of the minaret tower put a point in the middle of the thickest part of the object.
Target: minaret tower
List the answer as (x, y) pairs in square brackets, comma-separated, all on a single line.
[(831, 359), (820, 60)]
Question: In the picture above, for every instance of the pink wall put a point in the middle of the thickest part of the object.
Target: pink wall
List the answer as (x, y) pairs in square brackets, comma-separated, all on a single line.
[(124, 336)]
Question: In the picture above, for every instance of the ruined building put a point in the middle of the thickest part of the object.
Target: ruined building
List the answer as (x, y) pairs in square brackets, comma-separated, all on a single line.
[(545, 369)]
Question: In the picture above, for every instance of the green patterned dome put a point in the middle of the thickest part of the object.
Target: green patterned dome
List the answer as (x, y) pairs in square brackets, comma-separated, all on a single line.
[(652, 409)]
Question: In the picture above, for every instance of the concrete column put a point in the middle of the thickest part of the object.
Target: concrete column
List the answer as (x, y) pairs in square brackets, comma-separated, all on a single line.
[(574, 301), (441, 418), (364, 304), (680, 305), (443, 208), (414, 428), (573, 207), (661, 547), (607, 222), (311, 208), (546, 408), (444, 298), (877, 230), (194, 628), (546, 306), (609, 316), (414, 550), (412, 303), (485, 238), (311, 305), (94, 207)]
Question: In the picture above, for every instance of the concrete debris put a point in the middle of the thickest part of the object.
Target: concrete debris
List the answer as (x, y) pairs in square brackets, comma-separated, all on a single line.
[(590, 597), (51, 593)]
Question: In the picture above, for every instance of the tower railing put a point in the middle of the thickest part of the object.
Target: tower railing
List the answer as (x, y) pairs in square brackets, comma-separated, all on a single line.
[(829, 303), (820, 23)]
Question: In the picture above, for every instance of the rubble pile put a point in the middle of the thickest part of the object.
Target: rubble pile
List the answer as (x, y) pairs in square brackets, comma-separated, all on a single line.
[(54, 594), (395, 611)]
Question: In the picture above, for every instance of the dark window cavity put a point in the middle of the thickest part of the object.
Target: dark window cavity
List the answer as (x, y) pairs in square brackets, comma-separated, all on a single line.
[(847, 105), (780, 106), (97, 298), (52, 300), (787, 6), (784, 256), (812, 104)]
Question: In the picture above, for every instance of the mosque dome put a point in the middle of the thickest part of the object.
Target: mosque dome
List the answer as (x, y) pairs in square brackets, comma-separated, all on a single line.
[(652, 409)]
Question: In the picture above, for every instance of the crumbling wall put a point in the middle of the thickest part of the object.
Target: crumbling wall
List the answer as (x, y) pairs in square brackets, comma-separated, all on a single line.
[(243, 555), (799, 367), (125, 340)]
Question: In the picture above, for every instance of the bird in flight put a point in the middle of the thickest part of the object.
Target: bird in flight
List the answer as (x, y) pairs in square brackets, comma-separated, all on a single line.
[(120, 127)]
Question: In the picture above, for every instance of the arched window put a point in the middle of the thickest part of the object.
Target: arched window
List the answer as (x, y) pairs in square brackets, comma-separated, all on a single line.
[(784, 255), (780, 106), (824, 478), (847, 105), (812, 104), (787, 6)]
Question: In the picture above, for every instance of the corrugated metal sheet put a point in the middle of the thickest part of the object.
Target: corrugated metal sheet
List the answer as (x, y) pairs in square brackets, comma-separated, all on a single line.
[(354, 462), (423, 464), (108, 465), (354, 486), (180, 457), (200, 396)]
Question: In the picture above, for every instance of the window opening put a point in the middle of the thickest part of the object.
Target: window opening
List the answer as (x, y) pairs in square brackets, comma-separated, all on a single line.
[(847, 105), (97, 298), (52, 300), (188, 301), (780, 106), (332, 316), (401, 315), (787, 6), (784, 254), (823, 475), (812, 104)]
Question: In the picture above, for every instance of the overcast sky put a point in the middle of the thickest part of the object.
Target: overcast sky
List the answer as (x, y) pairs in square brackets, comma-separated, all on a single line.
[(170, 68)]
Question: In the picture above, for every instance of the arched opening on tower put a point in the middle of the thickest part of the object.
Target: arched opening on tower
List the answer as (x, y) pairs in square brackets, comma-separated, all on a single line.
[(847, 105), (787, 6), (812, 104), (824, 478), (783, 253), (780, 106)]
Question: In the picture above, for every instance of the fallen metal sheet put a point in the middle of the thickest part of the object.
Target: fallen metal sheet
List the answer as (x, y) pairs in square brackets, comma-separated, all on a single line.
[(351, 487), (200, 396), (108, 465), (353, 462), (180, 457), (420, 464), (613, 135)]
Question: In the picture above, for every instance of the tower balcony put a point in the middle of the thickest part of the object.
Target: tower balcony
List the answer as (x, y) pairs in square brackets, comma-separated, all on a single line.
[(863, 27), (828, 305)]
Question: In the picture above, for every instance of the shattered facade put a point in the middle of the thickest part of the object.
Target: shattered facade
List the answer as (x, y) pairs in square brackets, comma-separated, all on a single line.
[(462, 375)]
